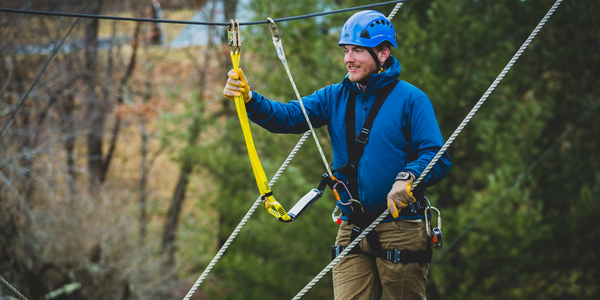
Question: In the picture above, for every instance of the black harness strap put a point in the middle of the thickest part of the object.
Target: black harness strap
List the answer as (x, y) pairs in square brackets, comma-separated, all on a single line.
[(395, 255), (356, 144)]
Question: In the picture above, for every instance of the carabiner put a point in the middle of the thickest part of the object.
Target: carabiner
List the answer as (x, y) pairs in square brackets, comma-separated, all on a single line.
[(235, 40), (435, 233), (273, 29)]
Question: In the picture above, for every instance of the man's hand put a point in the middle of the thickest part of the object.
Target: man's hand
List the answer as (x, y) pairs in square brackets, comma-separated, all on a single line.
[(237, 85), (400, 196)]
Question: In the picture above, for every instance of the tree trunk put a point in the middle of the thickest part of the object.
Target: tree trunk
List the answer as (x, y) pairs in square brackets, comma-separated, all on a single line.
[(145, 166), (170, 227), (121, 90), (69, 143), (96, 108)]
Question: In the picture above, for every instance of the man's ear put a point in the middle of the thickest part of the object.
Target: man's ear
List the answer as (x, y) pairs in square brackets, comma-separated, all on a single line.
[(383, 55)]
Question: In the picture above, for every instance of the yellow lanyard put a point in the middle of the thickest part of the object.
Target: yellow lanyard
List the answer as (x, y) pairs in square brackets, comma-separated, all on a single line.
[(269, 202)]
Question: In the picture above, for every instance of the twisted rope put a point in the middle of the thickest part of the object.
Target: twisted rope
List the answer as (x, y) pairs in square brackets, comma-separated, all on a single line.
[(245, 219), (395, 10), (439, 154), (11, 288)]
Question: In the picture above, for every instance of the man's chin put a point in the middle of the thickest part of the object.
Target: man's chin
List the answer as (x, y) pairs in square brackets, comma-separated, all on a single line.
[(354, 79)]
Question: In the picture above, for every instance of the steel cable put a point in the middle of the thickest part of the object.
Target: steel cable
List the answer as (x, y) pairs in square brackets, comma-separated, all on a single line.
[(40, 73), (103, 17)]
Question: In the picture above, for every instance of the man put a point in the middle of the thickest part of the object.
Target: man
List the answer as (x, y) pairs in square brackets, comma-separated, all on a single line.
[(396, 147)]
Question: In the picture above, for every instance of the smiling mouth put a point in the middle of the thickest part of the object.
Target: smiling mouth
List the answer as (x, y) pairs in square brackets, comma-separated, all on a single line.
[(352, 68)]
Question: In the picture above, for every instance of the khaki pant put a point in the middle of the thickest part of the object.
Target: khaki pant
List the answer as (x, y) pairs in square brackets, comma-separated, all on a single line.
[(363, 277)]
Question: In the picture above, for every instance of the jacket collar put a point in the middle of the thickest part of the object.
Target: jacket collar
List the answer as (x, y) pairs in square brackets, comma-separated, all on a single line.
[(377, 81)]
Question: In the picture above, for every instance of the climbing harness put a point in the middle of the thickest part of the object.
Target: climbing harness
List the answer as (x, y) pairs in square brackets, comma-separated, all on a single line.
[(269, 202), (360, 220), (438, 155)]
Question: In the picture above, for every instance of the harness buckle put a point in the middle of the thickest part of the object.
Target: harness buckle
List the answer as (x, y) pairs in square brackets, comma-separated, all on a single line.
[(363, 136), (397, 256), (336, 250)]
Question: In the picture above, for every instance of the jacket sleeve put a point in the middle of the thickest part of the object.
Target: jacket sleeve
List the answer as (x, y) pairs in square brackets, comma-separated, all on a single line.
[(426, 141), (288, 117)]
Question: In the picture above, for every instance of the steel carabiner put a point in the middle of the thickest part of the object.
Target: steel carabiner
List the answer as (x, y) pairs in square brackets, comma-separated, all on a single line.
[(234, 37), (273, 29)]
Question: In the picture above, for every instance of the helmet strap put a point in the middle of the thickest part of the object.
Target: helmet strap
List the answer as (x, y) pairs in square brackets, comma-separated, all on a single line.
[(370, 50)]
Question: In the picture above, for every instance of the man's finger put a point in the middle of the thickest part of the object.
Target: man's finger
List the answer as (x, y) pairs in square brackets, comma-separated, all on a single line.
[(393, 209), (233, 75)]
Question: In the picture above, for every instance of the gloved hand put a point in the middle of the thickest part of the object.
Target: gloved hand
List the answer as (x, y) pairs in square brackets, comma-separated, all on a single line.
[(237, 85), (400, 196)]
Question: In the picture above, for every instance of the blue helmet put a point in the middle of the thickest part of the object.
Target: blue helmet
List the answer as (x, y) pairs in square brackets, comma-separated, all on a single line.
[(368, 28)]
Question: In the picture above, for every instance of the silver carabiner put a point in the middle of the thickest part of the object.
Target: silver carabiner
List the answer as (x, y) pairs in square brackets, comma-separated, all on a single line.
[(273, 29), (235, 40)]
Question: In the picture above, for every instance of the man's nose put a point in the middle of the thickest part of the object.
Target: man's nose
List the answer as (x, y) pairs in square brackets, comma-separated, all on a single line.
[(348, 58)]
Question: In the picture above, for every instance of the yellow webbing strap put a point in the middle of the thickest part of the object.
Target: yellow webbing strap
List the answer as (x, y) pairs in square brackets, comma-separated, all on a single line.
[(270, 204)]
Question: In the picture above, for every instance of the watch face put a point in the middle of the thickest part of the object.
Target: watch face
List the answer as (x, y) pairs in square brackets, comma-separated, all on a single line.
[(403, 176)]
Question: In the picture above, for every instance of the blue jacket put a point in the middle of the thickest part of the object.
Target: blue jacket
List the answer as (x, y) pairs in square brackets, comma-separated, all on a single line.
[(405, 135)]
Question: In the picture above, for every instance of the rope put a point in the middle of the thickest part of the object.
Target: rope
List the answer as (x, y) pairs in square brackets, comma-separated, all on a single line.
[(395, 10), (439, 154), (514, 183), (277, 42), (245, 219), (40, 73), (11, 288), (64, 14)]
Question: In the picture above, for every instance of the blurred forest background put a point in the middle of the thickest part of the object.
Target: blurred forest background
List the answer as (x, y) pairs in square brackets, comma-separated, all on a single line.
[(125, 169)]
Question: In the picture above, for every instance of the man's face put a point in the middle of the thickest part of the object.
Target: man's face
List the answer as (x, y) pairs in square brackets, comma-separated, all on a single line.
[(359, 63)]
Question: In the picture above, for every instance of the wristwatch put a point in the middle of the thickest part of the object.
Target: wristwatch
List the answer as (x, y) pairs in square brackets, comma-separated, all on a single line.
[(405, 176)]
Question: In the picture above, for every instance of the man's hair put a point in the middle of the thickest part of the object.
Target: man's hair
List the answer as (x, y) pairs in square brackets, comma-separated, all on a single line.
[(383, 45)]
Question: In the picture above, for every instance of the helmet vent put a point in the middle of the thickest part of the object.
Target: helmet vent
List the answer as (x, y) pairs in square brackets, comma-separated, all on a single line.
[(365, 34)]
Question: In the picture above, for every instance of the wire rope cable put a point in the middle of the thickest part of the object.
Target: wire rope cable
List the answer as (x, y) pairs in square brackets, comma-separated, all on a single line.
[(516, 182), (438, 155), (37, 78), (277, 42), (104, 17), (246, 218), (12, 288)]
